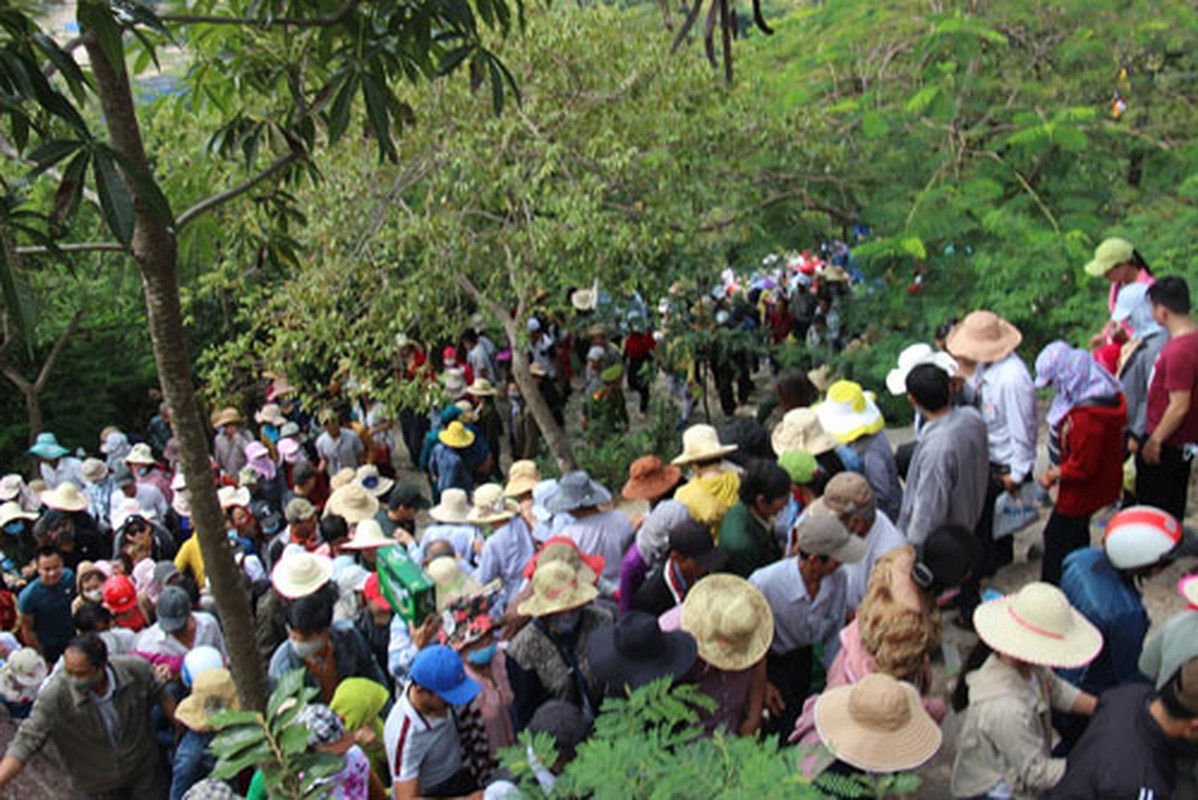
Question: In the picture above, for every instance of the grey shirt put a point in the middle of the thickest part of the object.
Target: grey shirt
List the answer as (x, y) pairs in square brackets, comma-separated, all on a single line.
[(1135, 376), (948, 475), (880, 471)]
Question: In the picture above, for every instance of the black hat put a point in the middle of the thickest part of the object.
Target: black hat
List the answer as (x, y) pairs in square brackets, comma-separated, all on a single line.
[(693, 540), (946, 559), (635, 651)]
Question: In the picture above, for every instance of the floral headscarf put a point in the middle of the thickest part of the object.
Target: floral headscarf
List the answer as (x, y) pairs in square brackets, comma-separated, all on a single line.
[(1075, 377)]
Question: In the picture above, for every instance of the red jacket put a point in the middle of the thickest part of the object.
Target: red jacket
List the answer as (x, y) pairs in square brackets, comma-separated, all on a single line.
[(1091, 458)]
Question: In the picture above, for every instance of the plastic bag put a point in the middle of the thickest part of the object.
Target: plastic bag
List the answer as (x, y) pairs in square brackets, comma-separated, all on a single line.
[(1013, 513)]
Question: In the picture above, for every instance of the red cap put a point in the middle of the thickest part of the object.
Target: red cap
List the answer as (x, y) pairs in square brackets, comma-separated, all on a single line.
[(119, 594), (371, 591)]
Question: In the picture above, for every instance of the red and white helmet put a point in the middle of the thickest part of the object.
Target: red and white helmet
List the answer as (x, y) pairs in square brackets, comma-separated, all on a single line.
[(1140, 536)]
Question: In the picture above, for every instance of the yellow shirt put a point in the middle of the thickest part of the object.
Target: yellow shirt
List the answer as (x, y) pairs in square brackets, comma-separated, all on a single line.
[(188, 559)]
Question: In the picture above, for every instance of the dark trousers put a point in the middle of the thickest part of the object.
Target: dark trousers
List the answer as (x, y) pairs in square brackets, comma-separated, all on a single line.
[(640, 379), (1062, 535), (1164, 485), (414, 425), (991, 554), (791, 675)]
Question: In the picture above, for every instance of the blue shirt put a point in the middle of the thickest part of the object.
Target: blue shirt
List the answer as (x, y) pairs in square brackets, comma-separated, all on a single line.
[(1111, 604), (449, 469), (50, 607), (799, 619), (504, 555)]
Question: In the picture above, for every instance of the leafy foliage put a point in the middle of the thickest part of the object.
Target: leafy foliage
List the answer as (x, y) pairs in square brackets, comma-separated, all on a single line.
[(275, 744)]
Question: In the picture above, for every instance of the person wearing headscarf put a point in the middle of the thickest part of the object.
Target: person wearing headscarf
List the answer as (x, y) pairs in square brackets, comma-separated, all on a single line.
[(1085, 448), (361, 703)]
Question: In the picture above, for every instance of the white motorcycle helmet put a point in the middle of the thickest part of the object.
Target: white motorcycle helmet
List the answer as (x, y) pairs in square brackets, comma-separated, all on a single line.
[(1140, 536)]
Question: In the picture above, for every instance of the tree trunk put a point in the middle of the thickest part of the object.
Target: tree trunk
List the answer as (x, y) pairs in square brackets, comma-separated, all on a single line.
[(33, 411), (155, 249)]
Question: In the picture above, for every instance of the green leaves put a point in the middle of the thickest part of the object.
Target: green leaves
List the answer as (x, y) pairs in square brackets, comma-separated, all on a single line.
[(115, 201), (97, 18)]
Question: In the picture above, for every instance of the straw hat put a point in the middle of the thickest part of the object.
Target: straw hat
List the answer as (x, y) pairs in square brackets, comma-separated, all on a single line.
[(521, 478), (140, 455), (353, 503), (481, 388), (368, 535), (820, 377), (181, 502), (537, 371), (65, 497), (93, 470), (370, 479), (212, 692), (466, 412), (877, 725), (230, 496), (300, 573), (984, 337), (585, 299), (456, 435), (270, 414), (452, 582), (849, 413), (649, 479), (912, 357), (577, 490), (12, 511), (343, 477), (558, 586), (1037, 625), (800, 429), (563, 548), (26, 667), (490, 506), (453, 508), (226, 416), (730, 620), (702, 443)]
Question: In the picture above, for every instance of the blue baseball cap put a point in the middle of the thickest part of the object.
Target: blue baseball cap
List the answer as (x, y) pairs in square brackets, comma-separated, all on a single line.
[(439, 669)]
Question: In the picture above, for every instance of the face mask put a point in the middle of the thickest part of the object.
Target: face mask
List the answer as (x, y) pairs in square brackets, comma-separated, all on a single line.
[(143, 471), (93, 595), (483, 655), (564, 623), (14, 528), (84, 685), (308, 648)]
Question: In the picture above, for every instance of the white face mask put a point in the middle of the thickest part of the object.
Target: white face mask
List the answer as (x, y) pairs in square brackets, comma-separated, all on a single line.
[(93, 595), (308, 648)]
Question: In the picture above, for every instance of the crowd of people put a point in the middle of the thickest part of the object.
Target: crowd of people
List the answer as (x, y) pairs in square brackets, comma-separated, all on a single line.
[(794, 567)]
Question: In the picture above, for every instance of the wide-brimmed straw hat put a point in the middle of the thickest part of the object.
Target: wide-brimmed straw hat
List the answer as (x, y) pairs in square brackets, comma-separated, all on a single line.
[(230, 496), (563, 548), (912, 357), (368, 535), (213, 691), (453, 508), (731, 621), (1038, 626), (649, 479), (577, 490), (140, 455), (702, 443), (490, 506), (352, 502), (984, 337), (12, 510), (26, 667), (226, 416), (557, 586), (877, 725), (300, 573), (270, 414), (849, 412), (93, 470), (481, 388), (452, 582), (800, 429), (65, 497), (522, 477), (636, 650), (456, 435), (370, 479)]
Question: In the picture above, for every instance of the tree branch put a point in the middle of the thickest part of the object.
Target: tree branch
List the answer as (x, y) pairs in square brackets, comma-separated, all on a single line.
[(43, 375), (294, 22), (77, 247), (217, 200)]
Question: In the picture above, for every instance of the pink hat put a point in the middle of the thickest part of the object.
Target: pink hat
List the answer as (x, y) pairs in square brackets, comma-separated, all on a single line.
[(256, 450)]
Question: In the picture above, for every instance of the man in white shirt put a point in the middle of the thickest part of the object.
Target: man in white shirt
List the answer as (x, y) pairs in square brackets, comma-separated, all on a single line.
[(421, 734), (128, 491), (179, 630)]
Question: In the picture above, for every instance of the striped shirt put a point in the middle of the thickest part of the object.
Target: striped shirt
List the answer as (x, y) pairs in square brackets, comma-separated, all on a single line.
[(420, 746)]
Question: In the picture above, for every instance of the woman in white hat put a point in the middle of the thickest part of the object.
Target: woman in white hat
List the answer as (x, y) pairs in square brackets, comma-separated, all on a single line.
[(1008, 692), (714, 485), (451, 522)]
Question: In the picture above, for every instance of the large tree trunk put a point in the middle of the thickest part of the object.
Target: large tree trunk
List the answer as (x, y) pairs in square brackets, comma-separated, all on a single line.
[(155, 249)]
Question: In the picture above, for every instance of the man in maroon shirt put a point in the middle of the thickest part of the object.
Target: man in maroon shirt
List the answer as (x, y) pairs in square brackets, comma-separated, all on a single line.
[(1163, 465)]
